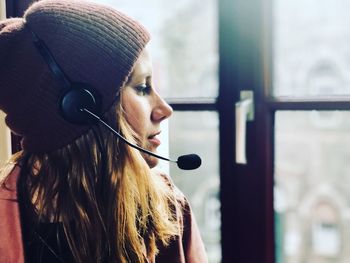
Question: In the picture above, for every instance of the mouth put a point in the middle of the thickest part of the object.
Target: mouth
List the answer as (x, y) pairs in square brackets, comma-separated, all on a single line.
[(154, 140)]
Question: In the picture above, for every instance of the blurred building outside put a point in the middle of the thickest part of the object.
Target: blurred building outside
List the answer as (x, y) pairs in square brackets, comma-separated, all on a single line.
[(312, 148)]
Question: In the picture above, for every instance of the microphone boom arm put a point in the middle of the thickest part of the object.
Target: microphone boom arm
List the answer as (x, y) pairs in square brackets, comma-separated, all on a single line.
[(123, 139)]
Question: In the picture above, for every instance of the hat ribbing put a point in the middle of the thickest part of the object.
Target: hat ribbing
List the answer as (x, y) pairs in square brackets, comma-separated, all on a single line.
[(93, 44)]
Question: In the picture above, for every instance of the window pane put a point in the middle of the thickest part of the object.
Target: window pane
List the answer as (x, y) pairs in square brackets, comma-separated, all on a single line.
[(184, 43), (312, 186), (311, 47), (197, 132)]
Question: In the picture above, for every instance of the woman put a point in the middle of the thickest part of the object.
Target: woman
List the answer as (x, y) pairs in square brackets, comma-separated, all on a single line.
[(77, 193)]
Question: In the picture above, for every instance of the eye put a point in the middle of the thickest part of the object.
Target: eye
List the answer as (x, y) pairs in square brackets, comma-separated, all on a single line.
[(143, 89)]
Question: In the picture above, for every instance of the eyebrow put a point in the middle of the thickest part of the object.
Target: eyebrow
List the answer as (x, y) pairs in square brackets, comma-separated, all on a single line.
[(144, 75)]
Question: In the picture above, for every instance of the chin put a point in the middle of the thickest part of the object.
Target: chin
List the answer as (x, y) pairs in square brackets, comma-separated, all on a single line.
[(151, 161)]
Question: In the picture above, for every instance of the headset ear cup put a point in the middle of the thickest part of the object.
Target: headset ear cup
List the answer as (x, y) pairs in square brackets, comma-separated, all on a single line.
[(76, 99)]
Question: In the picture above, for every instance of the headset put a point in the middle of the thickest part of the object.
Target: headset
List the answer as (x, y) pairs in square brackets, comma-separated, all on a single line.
[(80, 104), (76, 96)]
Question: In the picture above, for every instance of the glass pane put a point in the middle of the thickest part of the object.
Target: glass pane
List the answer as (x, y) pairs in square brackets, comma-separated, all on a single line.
[(197, 132), (311, 47), (312, 187), (184, 43)]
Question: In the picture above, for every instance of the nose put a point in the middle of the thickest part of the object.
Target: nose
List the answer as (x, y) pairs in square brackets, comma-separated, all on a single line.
[(162, 110)]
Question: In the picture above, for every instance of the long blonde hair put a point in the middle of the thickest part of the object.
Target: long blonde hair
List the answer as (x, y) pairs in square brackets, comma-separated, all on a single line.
[(112, 206)]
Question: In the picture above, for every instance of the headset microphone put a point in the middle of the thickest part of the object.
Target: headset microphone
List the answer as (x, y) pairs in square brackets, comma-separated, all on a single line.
[(185, 162)]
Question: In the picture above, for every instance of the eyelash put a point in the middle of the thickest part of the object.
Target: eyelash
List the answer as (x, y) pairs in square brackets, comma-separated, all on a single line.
[(144, 89)]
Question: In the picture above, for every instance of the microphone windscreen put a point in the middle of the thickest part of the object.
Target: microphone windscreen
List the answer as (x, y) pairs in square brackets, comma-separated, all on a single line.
[(189, 161)]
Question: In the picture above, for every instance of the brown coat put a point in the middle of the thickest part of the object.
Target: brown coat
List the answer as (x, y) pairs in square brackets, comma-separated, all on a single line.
[(188, 248)]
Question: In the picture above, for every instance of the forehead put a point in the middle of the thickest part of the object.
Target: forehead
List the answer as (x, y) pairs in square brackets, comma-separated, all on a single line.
[(142, 68)]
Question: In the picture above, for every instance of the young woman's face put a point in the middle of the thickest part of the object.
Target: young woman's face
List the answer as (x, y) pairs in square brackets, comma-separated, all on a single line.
[(143, 107)]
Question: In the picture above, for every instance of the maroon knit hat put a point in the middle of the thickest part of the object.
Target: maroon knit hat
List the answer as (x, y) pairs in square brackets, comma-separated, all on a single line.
[(93, 44)]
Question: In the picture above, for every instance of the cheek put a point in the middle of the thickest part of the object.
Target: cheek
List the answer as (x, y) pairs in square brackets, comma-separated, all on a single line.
[(136, 116), (135, 122)]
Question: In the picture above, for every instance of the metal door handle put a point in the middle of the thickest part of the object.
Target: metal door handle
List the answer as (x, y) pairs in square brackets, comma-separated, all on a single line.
[(244, 110)]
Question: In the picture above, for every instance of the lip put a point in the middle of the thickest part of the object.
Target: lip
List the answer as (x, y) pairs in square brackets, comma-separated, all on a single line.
[(154, 140)]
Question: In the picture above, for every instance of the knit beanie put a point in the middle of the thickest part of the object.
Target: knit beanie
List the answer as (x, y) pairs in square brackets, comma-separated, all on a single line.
[(91, 43)]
